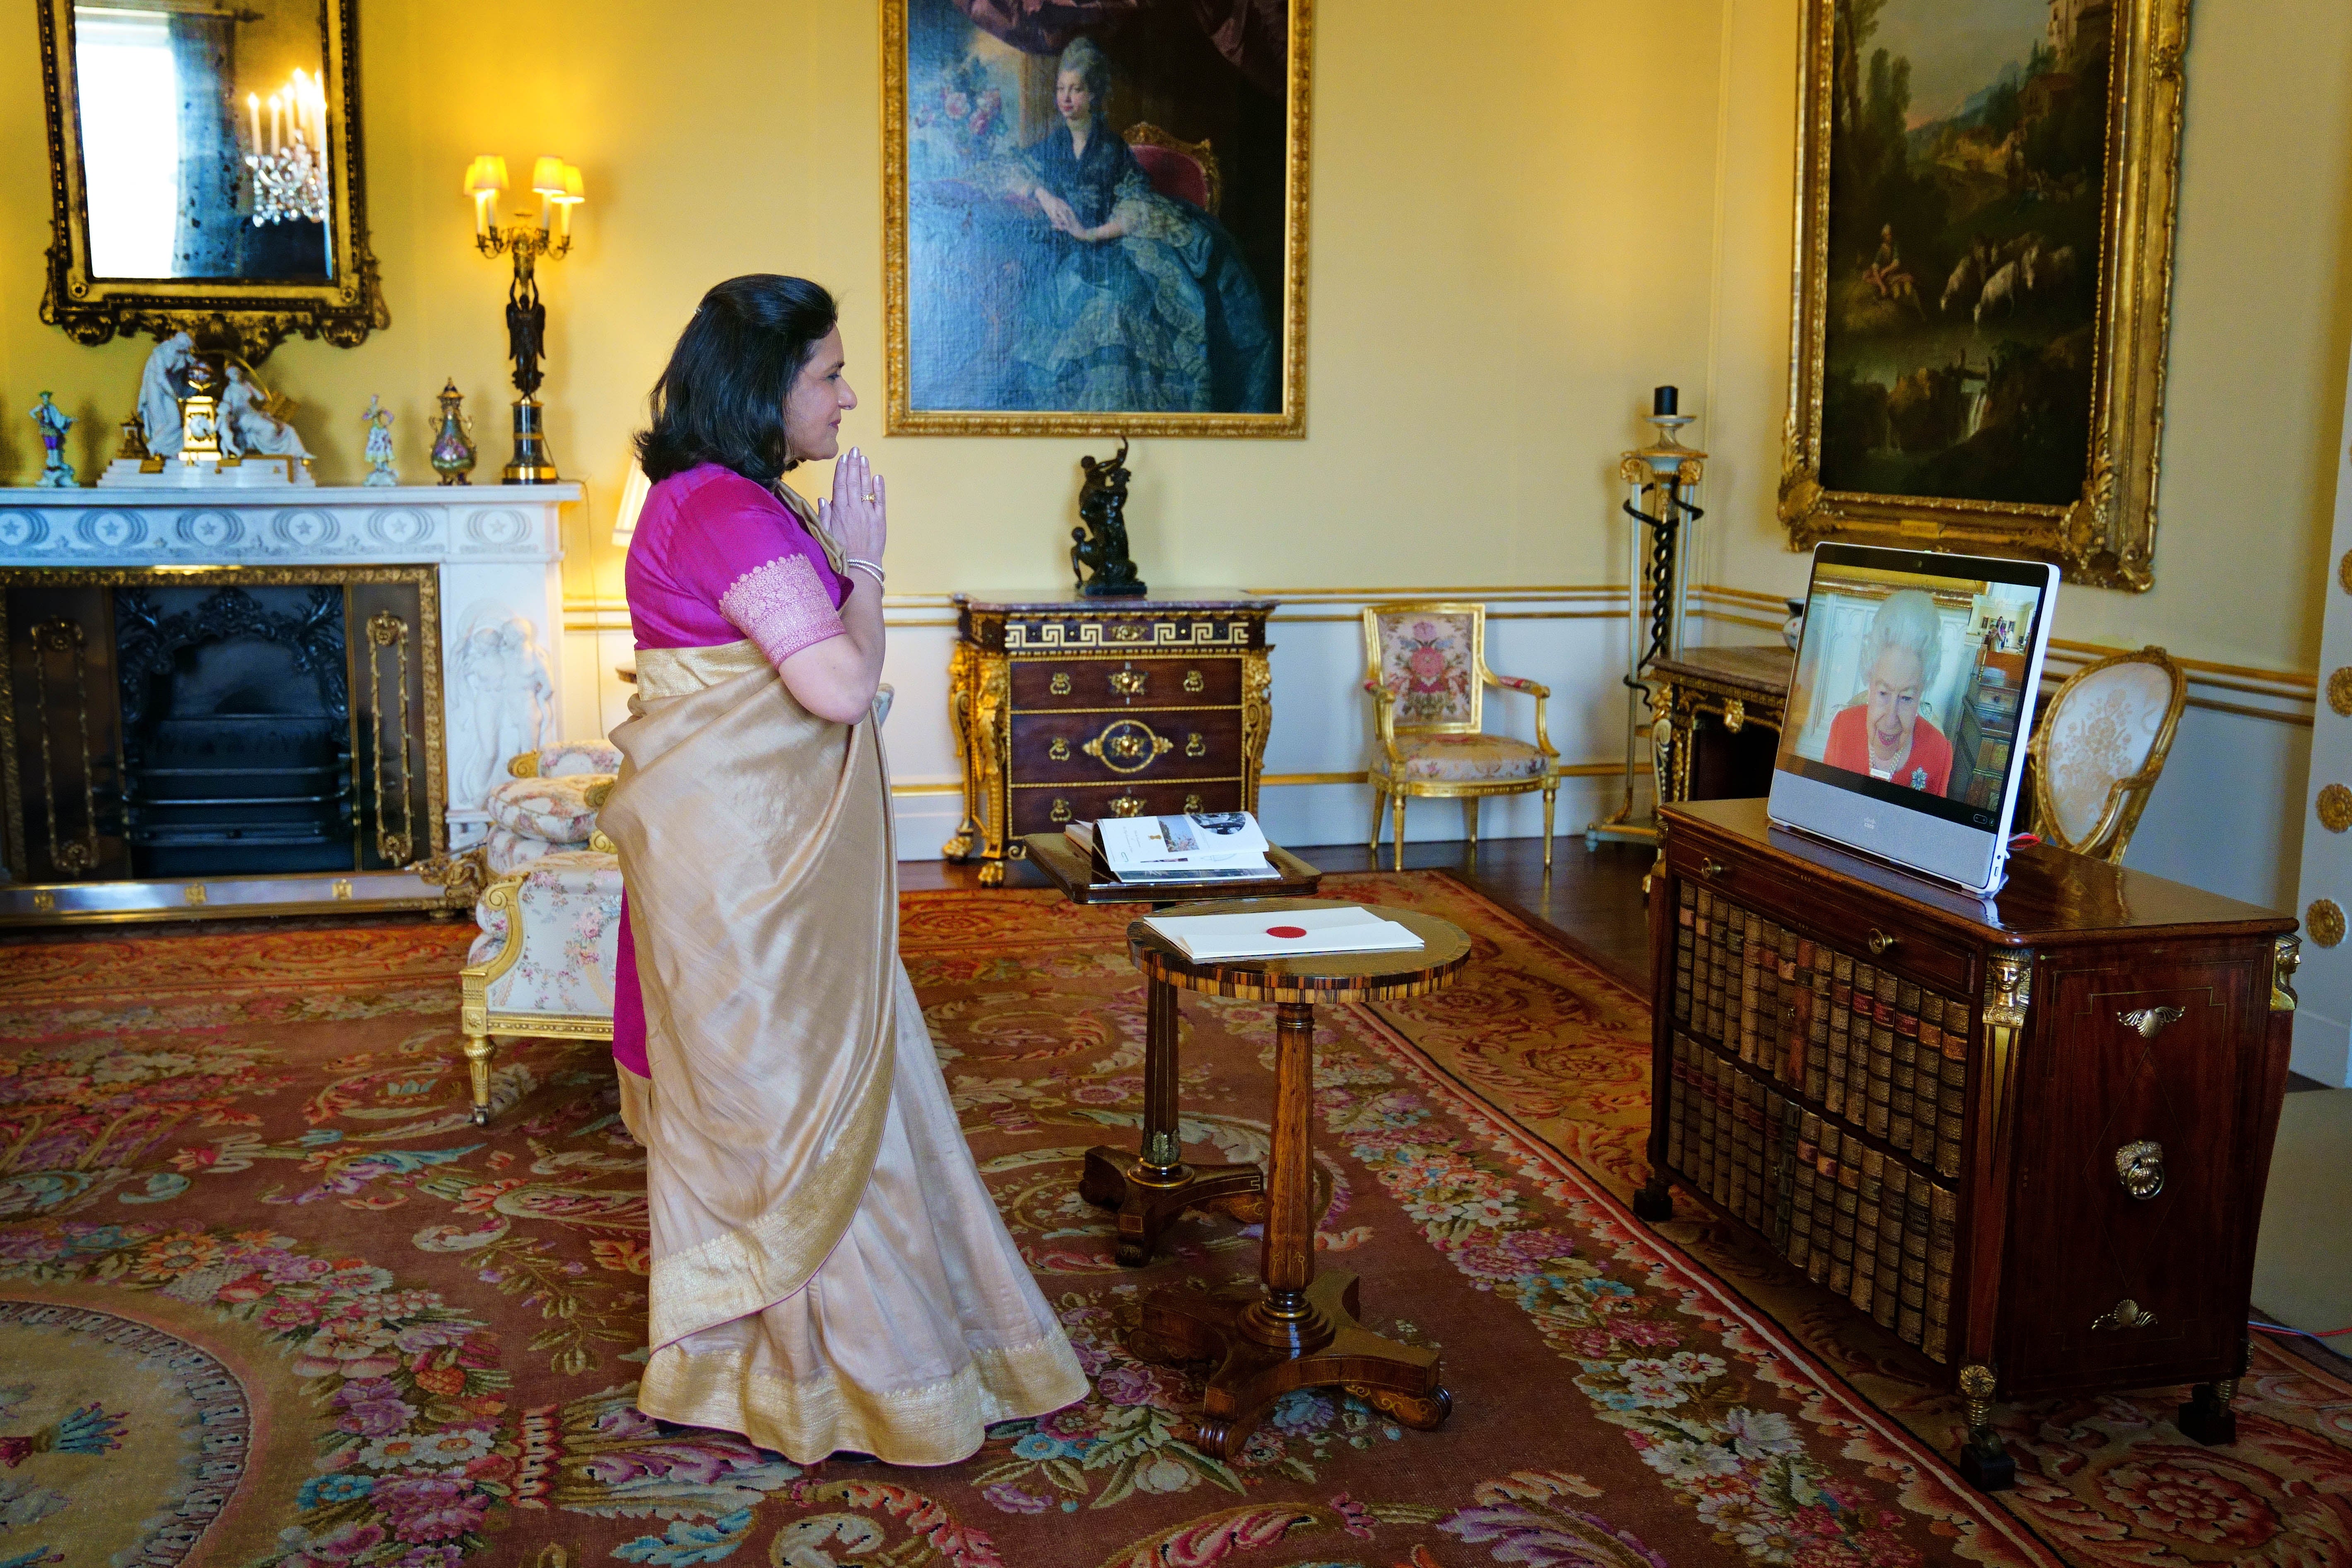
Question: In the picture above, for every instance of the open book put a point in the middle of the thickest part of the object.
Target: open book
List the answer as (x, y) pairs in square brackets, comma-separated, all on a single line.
[(1284, 933), (1200, 846)]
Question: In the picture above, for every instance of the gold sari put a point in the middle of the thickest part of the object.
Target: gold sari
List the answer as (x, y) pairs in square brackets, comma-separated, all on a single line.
[(829, 1271)]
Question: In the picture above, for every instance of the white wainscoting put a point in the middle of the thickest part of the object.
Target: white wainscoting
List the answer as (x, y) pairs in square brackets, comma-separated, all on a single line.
[(1572, 640)]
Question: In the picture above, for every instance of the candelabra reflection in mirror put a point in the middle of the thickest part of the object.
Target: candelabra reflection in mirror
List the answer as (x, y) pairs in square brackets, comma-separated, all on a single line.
[(289, 170), (558, 187)]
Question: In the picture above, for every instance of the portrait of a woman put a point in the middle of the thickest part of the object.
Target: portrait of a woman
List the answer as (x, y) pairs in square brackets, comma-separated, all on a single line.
[(1133, 300), (1882, 734), (829, 1273)]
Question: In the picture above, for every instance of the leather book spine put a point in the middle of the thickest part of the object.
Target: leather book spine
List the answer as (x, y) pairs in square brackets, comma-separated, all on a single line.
[(1677, 1100), (1865, 1230), (1943, 1234), (1783, 1116), (1911, 1323), (1749, 950), (1903, 1075), (1811, 965), (1848, 1223), (1807, 1186), (1841, 1033), (1951, 1122), (1881, 1054)]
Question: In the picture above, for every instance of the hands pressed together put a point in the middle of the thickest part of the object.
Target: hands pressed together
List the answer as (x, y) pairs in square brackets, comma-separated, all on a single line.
[(857, 517)]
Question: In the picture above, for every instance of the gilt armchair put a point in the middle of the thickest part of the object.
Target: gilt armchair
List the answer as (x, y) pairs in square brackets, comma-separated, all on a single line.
[(1426, 676), (2100, 748)]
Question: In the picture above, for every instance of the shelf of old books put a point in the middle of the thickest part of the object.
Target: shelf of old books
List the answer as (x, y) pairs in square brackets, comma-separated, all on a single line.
[(1820, 1100)]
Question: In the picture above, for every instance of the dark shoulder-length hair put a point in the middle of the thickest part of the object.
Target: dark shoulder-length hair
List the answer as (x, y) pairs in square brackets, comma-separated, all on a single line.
[(721, 399)]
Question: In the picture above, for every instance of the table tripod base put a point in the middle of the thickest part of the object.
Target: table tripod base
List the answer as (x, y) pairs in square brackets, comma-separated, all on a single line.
[(1148, 1197), (1328, 1346)]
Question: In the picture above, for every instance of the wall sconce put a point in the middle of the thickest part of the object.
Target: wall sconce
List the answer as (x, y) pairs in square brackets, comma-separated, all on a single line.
[(558, 187)]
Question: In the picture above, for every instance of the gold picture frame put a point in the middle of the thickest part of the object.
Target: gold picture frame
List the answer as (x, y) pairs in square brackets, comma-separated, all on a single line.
[(1285, 305), (247, 317), (2104, 534)]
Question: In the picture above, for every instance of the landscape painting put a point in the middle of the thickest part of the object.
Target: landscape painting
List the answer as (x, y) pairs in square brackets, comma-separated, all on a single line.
[(1973, 171), (1967, 176), (1095, 214)]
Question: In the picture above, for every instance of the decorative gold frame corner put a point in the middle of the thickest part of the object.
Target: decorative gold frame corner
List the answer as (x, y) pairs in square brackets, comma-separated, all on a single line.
[(901, 419), (256, 315), (2107, 537)]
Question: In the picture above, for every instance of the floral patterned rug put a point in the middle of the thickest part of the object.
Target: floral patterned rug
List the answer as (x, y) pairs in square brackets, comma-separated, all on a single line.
[(267, 1297)]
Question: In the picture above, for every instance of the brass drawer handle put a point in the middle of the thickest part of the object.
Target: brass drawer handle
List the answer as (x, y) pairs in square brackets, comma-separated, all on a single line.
[(1711, 870), (1061, 812), (1127, 806), (2124, 1314), (1060, 685), (2140, 1168), (2150, 1021), (1880, 942), (1195, 746), (1193, 683), (1059, 750), (1127, 682)]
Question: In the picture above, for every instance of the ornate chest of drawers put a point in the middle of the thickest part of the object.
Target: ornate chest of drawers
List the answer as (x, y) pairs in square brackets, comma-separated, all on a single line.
[(2028, 1134), (1068, 708)]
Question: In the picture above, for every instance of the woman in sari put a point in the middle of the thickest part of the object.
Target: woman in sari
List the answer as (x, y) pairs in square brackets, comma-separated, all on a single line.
[(829, 1272)]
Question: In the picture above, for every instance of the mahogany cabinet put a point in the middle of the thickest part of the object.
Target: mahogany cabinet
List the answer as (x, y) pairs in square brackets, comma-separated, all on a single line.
[(2029, 1134), (1066, 709)]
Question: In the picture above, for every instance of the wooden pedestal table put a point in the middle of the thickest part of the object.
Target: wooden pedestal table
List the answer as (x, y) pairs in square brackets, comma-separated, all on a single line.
[(1150, 1184), (1299, 1330)]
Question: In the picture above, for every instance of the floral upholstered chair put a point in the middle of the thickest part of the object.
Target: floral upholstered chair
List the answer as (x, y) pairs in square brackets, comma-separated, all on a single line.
[(551, 915), (544, 806), (1426, 675), (2100, 749)]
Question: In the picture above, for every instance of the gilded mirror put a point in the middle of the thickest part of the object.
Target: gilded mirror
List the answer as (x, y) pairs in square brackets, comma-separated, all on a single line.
[(205, 172)]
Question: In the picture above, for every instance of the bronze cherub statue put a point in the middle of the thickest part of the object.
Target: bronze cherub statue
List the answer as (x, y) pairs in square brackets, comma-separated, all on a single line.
[(1102, 506)]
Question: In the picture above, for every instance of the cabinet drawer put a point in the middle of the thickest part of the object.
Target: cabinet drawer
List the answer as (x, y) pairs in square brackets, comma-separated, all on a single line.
[(1097, 683), (1042, 808), (1917, 955), (1146, 746)]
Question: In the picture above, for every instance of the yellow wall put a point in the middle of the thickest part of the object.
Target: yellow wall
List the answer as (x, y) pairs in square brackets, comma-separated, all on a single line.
[(1505, 255), (2262, 321), (1517, 228)]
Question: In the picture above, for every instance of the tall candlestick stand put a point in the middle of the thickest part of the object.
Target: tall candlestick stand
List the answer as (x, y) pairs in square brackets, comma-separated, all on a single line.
[(1659, 478)]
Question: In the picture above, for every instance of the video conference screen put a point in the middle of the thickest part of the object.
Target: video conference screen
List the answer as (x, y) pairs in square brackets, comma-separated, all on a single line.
[(1910, 688)]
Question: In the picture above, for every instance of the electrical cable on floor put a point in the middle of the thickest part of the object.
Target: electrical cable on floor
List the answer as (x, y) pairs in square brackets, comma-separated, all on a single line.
[(2306, 1333)]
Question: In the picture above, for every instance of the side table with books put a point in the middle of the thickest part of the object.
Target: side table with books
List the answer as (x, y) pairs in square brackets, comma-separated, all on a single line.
[(1151, 1184)]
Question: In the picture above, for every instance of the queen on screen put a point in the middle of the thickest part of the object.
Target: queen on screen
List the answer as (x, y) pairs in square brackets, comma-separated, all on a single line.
[(1882, 734)]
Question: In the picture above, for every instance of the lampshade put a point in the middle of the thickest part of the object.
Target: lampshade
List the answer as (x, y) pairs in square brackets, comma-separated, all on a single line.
[(547, 176), (489, 174), (572, 190), (632, 501)]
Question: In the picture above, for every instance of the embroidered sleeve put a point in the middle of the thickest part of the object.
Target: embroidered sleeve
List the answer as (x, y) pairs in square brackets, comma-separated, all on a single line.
[(782, 606)]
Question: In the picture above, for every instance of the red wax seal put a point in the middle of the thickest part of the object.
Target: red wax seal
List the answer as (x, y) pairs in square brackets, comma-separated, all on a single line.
[(1286, 930)]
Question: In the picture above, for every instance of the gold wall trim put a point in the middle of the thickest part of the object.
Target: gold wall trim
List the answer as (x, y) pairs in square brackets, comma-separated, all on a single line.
[(1567, 770)]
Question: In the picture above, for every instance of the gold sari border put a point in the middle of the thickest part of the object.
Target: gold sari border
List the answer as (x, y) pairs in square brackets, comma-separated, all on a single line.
[(942, 1422), (683, 671), (748, 1271)]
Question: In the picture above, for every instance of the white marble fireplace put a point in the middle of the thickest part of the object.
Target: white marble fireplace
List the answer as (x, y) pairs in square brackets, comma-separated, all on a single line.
[(496, 551)]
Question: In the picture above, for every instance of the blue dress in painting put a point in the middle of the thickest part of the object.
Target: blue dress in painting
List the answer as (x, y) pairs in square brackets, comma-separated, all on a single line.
[(1166, 319)]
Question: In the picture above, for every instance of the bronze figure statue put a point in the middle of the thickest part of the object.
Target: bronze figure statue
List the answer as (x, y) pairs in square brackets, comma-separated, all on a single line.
[(1101, 545)]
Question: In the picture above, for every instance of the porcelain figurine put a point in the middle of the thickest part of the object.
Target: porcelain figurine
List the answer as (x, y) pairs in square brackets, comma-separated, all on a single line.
[(452, 449), (55, 472), (249, 427), (378, 420), (162, 384)]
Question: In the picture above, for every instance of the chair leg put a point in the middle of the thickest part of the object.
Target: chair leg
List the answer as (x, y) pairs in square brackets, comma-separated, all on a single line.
[(1396, 807), (1470, 824), (1550, 792), (1380, 807), (478, 1051)]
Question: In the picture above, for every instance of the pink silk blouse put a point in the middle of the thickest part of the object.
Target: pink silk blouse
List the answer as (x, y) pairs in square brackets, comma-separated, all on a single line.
[(718, 559)]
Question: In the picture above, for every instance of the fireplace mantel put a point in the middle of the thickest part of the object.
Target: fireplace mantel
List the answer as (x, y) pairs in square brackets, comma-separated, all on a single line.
[(496, 549)]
